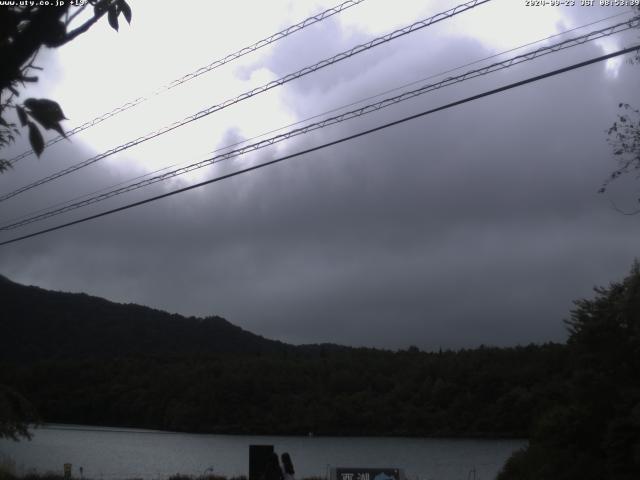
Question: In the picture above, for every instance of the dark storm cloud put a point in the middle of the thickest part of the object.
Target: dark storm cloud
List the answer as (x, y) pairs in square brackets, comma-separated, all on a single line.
[(476, 225)]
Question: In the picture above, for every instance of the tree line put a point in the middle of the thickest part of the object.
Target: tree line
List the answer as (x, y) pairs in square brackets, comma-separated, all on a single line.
[(482, 392), (578, 403)]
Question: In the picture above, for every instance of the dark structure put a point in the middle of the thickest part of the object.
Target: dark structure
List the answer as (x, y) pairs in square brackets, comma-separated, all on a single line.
[(259, 456)]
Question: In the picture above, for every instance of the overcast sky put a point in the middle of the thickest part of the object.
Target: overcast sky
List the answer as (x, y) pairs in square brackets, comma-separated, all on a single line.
[(475, 225)]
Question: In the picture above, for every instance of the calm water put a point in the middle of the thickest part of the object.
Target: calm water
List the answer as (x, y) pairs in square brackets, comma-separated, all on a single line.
[(115, 453)]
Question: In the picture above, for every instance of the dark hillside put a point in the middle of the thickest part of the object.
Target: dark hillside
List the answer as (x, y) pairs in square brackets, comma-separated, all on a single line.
[(40, 324), (82, 359)]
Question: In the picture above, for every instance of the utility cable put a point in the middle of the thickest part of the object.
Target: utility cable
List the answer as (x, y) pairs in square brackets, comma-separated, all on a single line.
[(319, 115), (326, 112), (591, 36), (345, 106), (268, 86), (202, 70), (332, 143)]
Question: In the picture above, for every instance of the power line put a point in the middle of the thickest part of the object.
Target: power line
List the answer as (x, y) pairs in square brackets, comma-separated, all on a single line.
[(268, 86), (77, 198), (632, 23), (326, 112), (332, 143), (342, 107), (202, 70), (336, 119), (313, 117)]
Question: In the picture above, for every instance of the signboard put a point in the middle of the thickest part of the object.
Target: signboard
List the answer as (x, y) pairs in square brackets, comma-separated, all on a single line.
[(368, 474)]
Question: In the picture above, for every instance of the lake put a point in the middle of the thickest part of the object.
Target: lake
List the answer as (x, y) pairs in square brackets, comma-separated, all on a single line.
[(110, 453)]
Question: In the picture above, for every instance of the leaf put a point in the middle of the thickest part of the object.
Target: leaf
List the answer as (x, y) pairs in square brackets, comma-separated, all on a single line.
[(126, 10), (45, 107), (99, 8), (22, 116), (5, 165), (113, 17), (47, 112), (35, 138), (58, 128), (3, 122)]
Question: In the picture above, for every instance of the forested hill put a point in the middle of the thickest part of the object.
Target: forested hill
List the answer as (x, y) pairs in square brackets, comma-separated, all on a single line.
[(84, 360), (41, 324)]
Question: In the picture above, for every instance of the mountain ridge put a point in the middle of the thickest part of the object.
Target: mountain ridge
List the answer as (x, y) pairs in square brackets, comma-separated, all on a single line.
[(42, 324)]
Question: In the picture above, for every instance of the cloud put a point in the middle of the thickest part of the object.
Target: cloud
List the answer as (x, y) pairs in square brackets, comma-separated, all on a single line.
[(479, 224)]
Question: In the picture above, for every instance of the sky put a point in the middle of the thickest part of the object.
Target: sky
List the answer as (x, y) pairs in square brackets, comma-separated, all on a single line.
[(479, 224)]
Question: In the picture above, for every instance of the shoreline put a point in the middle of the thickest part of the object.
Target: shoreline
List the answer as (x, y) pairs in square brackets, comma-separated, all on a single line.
[(150, 431)]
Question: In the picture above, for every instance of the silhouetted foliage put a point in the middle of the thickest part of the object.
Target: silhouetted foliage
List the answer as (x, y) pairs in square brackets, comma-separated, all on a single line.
[(592, 431), (16, 415), (484, 392), (624, 139), (25, 28)]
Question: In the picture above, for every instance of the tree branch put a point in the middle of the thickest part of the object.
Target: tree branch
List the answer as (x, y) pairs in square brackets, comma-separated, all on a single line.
[(86, 25), (75, 14)]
